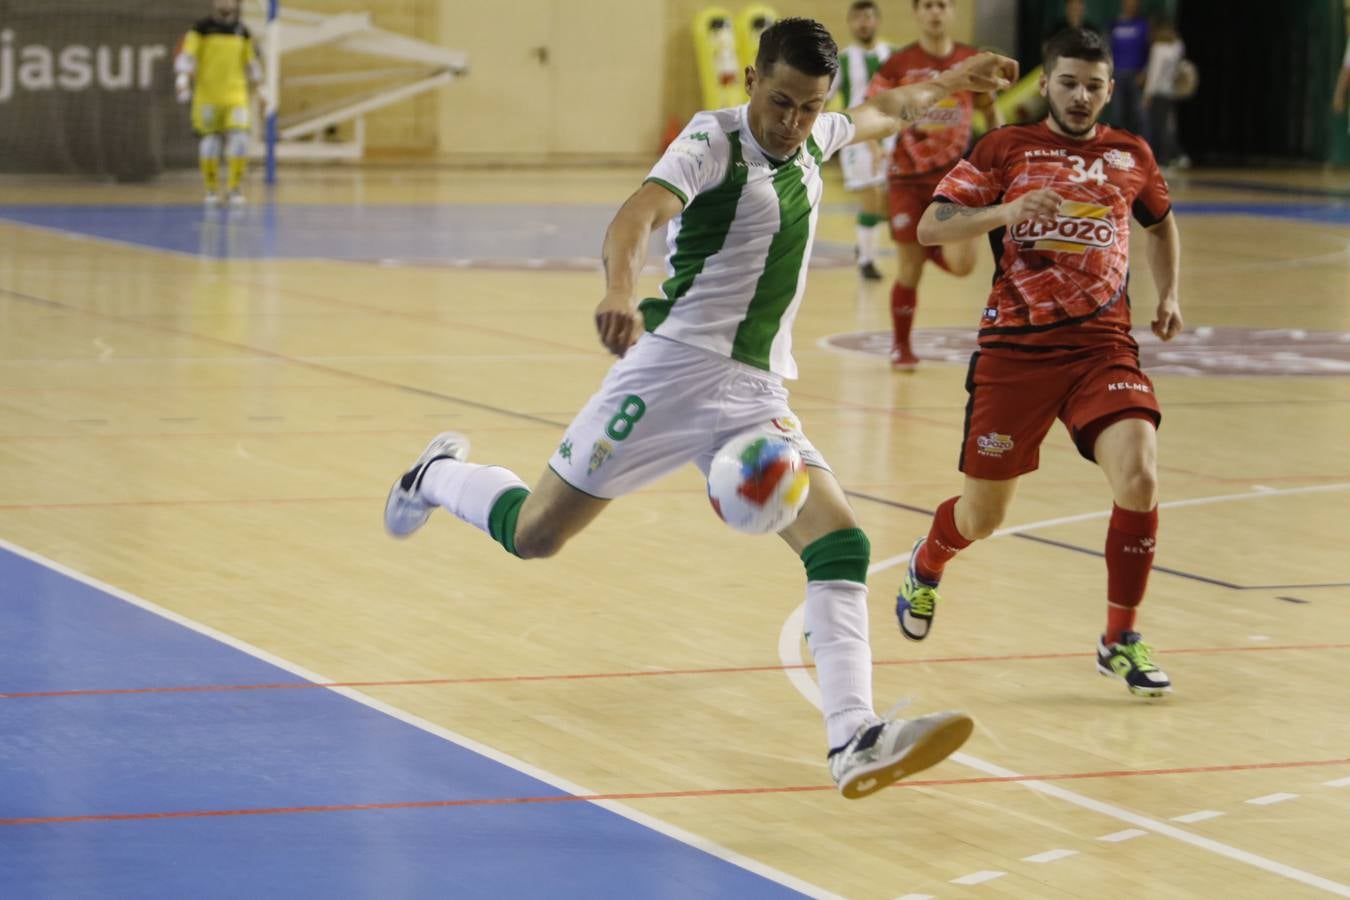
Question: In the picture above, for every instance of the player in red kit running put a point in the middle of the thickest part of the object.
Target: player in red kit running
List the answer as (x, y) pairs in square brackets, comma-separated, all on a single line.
[(923, 153), (1055, 339)]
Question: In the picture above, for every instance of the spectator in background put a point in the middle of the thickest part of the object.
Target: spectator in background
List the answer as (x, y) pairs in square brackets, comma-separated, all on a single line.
[(1129, 46), (1342, 84), (1075, 16), (1162, 92)]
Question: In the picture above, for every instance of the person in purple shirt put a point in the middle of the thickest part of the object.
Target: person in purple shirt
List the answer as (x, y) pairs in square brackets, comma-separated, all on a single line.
[(1129, 46)]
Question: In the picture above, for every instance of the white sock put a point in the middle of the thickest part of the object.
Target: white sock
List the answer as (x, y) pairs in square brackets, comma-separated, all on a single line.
[(467, 490), (836, 632), (867, 244)]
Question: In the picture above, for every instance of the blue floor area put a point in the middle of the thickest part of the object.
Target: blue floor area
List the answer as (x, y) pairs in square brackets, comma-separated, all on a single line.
[(445, 234), (152, 753), (407, 233)]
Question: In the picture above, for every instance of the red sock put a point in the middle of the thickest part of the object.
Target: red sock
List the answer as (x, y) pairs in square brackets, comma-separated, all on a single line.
[(944, 542), (1130, 541), (903, 301), (935, 255)]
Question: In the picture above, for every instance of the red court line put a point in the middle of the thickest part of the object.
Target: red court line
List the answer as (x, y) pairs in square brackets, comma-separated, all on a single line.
[(656, 795), (585, 676)]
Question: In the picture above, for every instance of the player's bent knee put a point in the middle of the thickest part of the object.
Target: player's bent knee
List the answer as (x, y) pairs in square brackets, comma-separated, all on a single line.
[(209, 147), (236, 144), (841, 555), (1139, 490)]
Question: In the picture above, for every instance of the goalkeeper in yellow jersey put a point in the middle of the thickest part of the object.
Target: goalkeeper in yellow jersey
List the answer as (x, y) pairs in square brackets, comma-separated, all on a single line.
[(216, 68)]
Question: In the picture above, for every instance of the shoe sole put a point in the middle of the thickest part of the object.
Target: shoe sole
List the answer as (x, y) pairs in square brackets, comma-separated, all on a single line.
[(1137, 691), (933, 748), (910, 635)]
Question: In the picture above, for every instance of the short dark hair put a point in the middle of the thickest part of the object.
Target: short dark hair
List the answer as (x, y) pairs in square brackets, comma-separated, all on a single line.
[(804, 44), (1078, 43), (860, 5)]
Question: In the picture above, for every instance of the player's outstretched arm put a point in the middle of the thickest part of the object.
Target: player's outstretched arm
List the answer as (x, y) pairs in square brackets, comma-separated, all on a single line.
[(945, 223), (887, 112), (625, 252), (1164, 260)]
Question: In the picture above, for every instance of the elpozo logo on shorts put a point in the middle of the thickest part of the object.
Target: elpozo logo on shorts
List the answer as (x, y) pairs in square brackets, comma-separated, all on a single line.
[(994, 444), (1078, 227)]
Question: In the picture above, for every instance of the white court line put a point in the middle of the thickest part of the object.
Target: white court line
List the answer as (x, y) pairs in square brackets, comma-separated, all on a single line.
[(1268, 799), (893, 561), (790, 656), (978, 877), (665, 828), (1128, 834), (1200, 816), (1339, 782), (1050, 856)]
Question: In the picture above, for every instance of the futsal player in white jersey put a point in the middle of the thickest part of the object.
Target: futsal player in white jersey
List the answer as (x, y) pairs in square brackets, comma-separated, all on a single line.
[(864, 164), (705, 362)]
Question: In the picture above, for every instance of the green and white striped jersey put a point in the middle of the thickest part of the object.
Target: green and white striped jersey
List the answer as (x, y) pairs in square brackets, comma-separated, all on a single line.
[(737, 254), (856, 68)]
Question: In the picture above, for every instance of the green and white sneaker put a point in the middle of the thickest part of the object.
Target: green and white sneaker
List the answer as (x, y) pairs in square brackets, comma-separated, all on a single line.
[(405, 511), (916, 603), (1131, 660), (882, 753)]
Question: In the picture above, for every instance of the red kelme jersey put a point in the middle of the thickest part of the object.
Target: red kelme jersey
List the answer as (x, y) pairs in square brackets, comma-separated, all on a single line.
[(1061, 288), (940, 138)]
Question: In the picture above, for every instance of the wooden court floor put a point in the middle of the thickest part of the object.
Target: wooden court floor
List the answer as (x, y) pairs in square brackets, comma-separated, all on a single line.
[(217, 436)]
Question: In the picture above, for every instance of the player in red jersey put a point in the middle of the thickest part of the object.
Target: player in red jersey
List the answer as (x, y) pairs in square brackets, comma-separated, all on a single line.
[(923, 153), (1055, 339)]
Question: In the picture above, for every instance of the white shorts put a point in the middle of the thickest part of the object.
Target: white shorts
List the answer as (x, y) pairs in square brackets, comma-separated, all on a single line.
[(666, 404), (861, 167)]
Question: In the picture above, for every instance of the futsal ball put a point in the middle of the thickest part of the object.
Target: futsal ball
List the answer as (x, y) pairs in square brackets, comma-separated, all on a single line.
[(758, 483)]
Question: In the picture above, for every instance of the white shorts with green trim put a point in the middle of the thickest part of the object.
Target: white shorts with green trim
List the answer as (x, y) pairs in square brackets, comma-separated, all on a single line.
[(666, 404), (861, 167)]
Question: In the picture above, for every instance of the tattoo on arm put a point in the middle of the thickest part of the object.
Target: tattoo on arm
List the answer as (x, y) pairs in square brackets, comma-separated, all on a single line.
[(946, 211)]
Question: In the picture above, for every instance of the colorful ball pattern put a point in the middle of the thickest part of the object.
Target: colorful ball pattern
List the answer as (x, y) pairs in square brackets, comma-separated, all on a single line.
[(758, 483)]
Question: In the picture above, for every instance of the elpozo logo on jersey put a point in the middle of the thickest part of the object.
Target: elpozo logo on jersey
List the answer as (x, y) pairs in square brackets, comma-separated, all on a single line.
[(1078, 227)]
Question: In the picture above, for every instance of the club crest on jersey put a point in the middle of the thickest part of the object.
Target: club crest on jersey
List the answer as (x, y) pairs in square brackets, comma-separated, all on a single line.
[(994, 444), (600, 452), (1077, 227), (1119, 159)]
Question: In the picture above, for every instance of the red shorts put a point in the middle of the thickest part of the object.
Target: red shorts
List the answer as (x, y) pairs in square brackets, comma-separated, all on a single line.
[(1013, 403), (909, 197)]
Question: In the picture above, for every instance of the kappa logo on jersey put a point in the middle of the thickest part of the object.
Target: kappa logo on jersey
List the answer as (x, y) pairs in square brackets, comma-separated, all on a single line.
[(1119, 159), (688, 147), (1078, 227), (994, 444)]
